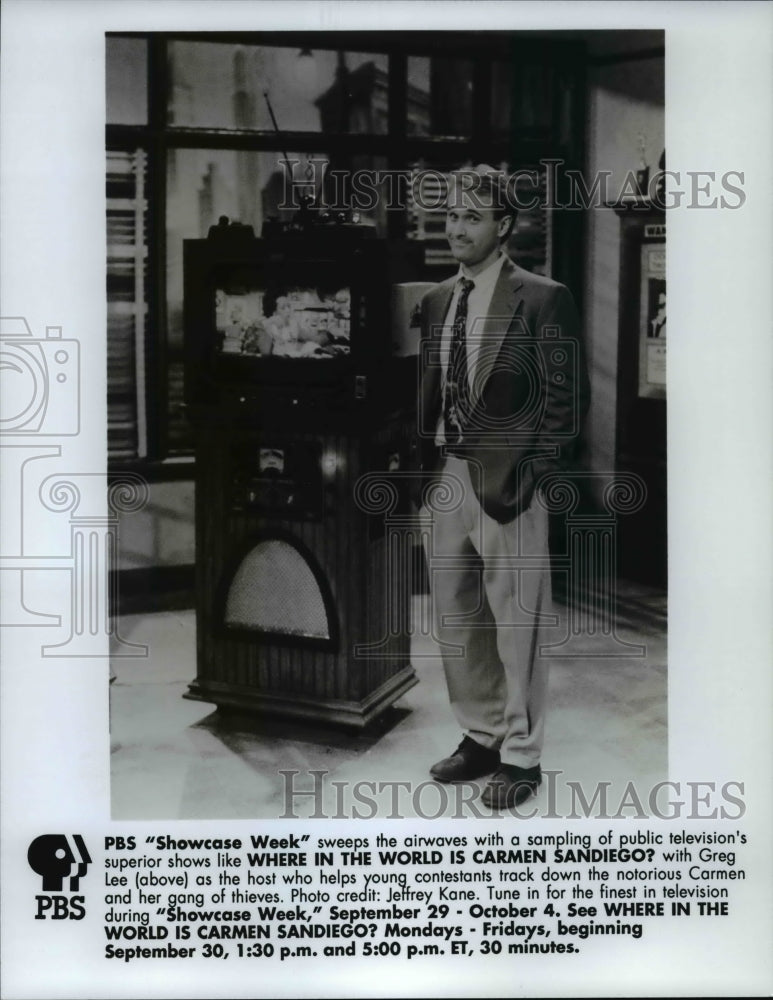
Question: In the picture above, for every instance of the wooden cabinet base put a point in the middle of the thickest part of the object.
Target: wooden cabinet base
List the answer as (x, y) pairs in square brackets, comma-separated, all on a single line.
[(351, 714)]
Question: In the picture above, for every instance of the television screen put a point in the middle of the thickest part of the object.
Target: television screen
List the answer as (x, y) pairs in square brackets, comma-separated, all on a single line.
[(283, 318)]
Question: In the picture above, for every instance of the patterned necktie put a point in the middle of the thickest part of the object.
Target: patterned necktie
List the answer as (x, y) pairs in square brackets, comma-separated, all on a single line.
[(456, 390)]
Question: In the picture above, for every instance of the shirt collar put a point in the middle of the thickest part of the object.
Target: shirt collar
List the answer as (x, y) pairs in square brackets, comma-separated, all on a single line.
[(486, 278)]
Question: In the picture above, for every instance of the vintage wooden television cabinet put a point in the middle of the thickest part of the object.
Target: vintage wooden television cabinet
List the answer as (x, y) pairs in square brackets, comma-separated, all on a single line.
[(296, 395)]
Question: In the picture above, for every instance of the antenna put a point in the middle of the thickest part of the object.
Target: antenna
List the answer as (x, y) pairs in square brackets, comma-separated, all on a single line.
[(278, 132)]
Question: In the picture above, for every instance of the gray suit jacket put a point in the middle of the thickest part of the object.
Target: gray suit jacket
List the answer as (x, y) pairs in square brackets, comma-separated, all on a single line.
[(530, 392)]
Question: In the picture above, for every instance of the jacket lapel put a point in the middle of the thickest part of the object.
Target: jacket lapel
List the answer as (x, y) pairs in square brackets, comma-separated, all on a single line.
[(505, 301), (438, 307), (507, 297)]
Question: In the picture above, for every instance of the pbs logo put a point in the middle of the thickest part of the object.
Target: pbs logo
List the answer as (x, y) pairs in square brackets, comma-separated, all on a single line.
[(61, 861)]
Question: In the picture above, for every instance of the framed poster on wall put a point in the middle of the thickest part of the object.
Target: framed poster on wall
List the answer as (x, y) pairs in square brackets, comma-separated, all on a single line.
[(652, 316)]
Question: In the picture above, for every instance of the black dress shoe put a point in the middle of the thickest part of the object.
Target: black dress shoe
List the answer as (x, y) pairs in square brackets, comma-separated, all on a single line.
[(511, 786), (470, 760)]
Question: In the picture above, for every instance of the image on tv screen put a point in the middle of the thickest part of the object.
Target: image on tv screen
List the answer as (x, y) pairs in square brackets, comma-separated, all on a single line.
[(283, 322)]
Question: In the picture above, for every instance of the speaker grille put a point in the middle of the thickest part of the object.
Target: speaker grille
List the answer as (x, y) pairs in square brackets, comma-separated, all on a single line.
[(274, 590)]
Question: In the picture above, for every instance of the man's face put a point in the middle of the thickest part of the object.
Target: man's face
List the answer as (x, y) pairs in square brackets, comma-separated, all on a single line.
[(473, 232)]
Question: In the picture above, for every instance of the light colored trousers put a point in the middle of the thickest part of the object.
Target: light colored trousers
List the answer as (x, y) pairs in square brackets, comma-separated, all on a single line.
[(490, 591)]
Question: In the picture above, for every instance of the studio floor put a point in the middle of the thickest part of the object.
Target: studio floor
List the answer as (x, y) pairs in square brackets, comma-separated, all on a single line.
[(173, 758)]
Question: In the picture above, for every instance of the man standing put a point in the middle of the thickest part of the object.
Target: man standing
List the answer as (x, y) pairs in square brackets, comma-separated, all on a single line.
[(503, 391)]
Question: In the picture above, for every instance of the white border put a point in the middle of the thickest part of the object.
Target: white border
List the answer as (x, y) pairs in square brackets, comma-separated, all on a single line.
[(719, 85)]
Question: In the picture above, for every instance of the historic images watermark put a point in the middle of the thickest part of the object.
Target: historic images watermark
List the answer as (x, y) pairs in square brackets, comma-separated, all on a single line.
[(565, 188), (559, 799)]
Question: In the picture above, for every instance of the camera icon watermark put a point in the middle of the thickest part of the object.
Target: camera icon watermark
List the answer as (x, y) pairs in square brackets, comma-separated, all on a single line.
[(39, 381), (40, 401), (530, 369)]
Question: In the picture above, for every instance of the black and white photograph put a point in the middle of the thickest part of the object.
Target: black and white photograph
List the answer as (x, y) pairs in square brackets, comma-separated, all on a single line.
[(349, 474), (289, 217)]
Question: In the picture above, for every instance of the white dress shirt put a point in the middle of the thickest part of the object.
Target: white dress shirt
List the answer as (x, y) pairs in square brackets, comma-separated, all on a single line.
[(478, 305)]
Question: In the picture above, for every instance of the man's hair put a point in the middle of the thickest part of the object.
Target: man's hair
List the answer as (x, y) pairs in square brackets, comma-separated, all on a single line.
[(487, 189)]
